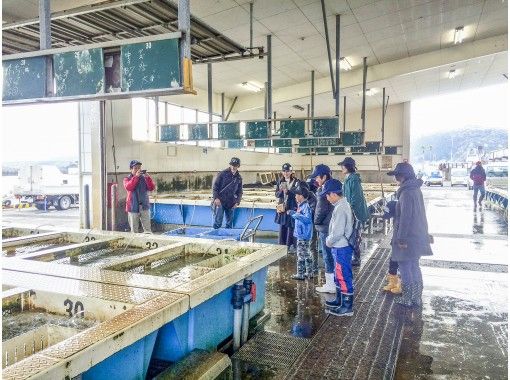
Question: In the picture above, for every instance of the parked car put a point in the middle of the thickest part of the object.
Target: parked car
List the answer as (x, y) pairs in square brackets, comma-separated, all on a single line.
[(434, 178), (460, 177)]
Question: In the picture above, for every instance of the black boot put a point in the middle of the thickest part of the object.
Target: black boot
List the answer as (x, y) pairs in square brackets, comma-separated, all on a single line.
[(345, 309), (416, 292), (405, 298), (356, 258), (336, 302)]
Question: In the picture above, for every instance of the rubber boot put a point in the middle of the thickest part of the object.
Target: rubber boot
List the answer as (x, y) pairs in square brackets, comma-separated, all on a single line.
[(329, 286), (392, 282), (345, 309), (397, 289), (337, 302), (356, 258), (405, 299)]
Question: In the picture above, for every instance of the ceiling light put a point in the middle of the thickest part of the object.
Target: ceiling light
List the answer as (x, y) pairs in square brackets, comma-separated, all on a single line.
[(344, 64), (459, 35), (298, 107), (452, 74), (251, 86)]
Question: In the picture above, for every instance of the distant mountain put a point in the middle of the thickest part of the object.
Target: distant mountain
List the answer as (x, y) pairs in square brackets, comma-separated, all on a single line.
[(458, 143)]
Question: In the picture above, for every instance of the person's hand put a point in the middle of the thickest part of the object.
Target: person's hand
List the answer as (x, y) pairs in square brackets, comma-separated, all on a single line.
[(138, 173), (298, 209), (217, 202)]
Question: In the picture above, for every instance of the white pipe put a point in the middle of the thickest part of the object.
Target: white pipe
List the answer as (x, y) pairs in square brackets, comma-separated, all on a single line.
[(246, 322), (238, 316)]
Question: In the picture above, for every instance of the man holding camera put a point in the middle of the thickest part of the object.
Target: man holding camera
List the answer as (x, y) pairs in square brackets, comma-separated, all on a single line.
[(138, 184), (227, 193)]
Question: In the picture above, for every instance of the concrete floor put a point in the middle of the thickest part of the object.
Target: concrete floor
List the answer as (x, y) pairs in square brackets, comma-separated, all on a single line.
[(67, 218)]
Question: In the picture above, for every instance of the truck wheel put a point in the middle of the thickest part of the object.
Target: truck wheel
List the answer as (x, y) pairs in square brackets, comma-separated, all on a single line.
[(64, 202)]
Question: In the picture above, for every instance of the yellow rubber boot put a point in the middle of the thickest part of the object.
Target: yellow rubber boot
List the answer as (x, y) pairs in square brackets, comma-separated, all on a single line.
[(392, 282), (397, 289)]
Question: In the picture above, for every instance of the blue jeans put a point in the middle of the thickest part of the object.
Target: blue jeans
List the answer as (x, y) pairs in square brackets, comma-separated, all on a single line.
[(329, 262), (410, 272), (218, 217), (476, 189), (343, 269)]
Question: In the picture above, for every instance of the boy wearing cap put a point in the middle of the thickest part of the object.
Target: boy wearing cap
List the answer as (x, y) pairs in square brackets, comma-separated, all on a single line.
[(303, 230), (227, 193), (138, 184), (353, 192), (340, 229), (286, 202)]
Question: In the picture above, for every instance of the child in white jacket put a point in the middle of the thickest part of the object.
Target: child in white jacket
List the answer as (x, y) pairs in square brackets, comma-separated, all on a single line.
[(340, 229)]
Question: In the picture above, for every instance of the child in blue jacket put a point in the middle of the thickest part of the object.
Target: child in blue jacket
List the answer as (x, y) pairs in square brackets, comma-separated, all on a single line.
[(303, 233)]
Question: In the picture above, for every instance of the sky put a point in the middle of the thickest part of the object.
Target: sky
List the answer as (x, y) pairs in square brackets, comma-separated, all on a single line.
[(485, 107), (39, 132)]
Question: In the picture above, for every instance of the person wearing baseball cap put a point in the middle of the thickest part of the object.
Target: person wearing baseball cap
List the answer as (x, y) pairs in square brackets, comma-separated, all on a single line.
[(411, 238), (138, 184), (353, 192), (478, 177), (286, 202), (227, 193), (339, 239), (323, 210)]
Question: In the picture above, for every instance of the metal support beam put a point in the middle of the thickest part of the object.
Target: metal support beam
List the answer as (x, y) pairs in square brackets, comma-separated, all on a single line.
[(326, 32), (45, 40), (251, 26), (312, 96), (337, 67), (308, 115), (222, 106), (383, 115), (269, 78), (184, 26), (345, 111), (209, 91), (363, 105), (265, 101), (231, 107)]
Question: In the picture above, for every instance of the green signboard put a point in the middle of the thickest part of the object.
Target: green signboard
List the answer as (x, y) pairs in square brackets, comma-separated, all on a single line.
[(198, 132), (257, 130), (293, 128), (353, 138), (24, 78), (325, 127), (229, 131), (170, 132), (280, 143)]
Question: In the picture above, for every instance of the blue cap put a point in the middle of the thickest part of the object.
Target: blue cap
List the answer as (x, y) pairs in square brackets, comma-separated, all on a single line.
[(331, 186), (320, 170), (286, 167), (403, 169), (389, 210), (133, 163), (234, 161)]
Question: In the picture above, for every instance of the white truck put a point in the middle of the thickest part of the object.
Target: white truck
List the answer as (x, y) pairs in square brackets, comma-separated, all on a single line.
[(46, 186)]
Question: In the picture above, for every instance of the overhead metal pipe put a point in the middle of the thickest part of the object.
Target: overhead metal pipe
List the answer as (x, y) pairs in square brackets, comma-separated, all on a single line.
[(269, 78), (312, 96), (345, 111), (337, 67), (363, 105), (251, 26), (325, 22)]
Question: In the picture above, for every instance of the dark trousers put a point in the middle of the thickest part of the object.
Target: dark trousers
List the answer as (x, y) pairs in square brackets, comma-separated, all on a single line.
[(358, 227), (410, 272), (218, 217), (286, 236), (393, 267), (476, 189)]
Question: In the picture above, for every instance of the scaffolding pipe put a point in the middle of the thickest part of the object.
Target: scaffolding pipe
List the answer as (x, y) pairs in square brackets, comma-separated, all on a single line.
[(363, 105), (345, 111), (325, 22), (269, 78), (337, 67)]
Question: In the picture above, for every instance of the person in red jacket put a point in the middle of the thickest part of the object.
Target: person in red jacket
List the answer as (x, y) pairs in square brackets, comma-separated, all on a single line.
[(138, 184), (478, 177)]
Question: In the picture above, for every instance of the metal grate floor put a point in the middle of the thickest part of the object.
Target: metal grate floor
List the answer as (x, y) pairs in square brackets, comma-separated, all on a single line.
[(272, 350)]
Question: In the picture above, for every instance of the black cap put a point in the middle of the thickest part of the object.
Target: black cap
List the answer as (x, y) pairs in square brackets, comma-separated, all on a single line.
[(403, 169), (302, 189), (286, 167), (234, 161), (348, 161), (133, 163)]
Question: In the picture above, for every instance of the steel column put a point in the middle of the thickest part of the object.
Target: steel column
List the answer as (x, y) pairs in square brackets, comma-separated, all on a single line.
[(363, 105), (45, 40), (269, 78), (222, 106), (251, 26), (308, 115), (383, 115), (312, 96), (184, 25), (325, 21), (209, 92), (345, 110), (265, 101), (337, 67)]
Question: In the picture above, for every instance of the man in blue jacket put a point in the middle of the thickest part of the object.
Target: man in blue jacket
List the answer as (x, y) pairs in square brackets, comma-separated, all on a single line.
[(227, 193)]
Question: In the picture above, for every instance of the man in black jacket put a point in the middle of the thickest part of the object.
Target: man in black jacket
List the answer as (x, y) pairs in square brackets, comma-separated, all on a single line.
[(227, 193)]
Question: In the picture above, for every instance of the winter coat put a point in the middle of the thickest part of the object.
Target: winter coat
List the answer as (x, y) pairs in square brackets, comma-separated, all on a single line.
[(228, 188), (410, 223), (341, 225), (323, 211), (303, 221), (353, 192), (289, 200), (312, 202), (478, 176), (138, 192)]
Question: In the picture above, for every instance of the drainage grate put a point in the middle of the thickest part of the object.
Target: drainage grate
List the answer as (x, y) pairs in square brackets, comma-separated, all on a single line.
[(272, 349)]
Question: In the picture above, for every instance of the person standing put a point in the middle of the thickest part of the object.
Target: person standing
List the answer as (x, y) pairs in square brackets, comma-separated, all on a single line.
[(227, 194), (478, 177), (410, 239), (303, 233), (394, 285), (353, 192), (138, 184), (312, 201), (340, 230), (286, 202), (322, 216)]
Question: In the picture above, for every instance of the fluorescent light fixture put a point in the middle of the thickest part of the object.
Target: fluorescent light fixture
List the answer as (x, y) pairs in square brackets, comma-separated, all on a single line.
[(345, 64), (458, 37), (452, 74), (251, 86), (298, 107)]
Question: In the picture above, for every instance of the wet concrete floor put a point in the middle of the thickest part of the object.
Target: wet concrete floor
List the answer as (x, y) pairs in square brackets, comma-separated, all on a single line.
[(461, 331)]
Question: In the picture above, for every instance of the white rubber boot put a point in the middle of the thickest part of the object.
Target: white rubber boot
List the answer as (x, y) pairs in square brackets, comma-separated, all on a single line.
[(329, 286)]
